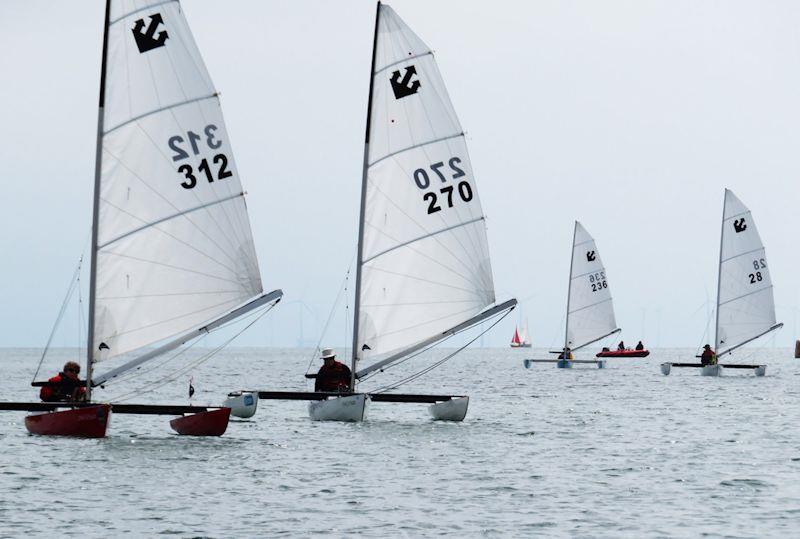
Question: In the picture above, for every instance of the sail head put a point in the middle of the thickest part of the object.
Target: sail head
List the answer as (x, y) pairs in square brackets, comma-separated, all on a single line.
[(174, 245), (746, 306), (591, 309), (425, 258)]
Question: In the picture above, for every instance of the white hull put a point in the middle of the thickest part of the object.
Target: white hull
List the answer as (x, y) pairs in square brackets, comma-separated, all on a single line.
[(711, 370), (242, 405), (666, 368), (351, 408), (452, 410)]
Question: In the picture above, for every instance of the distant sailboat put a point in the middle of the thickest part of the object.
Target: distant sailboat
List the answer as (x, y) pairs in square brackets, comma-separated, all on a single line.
[(520, 339), (590, 309), (745, 303), (172, 253)]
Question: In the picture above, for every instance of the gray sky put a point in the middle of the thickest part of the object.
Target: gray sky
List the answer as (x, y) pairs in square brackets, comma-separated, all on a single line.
[(631, 116)]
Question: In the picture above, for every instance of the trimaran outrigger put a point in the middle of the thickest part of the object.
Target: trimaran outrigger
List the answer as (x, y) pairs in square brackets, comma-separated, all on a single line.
[(423, 271), (745, 303), (590, 309), (172, 253)]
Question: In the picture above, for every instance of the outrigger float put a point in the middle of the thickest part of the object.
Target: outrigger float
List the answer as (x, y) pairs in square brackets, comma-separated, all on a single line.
[(172, 252), (590, 309), (745, 303)]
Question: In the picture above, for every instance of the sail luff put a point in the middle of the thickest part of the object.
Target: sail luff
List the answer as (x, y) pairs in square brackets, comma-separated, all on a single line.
[(363, 205), (569, 289), (98, 171), (719, 268)]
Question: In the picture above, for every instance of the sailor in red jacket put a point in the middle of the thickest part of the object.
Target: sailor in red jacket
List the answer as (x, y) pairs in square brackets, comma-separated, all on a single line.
[(65, 386), (332, 376)]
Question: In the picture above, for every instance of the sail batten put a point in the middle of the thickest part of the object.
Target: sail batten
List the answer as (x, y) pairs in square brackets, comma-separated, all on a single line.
[(423, 263), (171, 215)]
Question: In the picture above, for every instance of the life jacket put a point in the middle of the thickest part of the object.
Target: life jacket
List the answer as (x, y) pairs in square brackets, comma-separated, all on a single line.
[(333, 378), (61, 390)]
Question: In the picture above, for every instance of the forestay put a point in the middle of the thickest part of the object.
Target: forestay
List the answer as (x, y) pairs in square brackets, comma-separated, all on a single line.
[(425, 259), (745, 304), (590, 310), (174, 246)]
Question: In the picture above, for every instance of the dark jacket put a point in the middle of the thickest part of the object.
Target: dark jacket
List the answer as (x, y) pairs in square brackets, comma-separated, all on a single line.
[(640, 346), (61, 389), (707, 357), (333, 378)]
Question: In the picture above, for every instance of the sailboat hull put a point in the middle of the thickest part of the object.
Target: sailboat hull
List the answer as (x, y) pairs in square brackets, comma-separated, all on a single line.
[(352, 408), (711, 370), (86, 422), (211, 423), (242, 404), (451, 410)]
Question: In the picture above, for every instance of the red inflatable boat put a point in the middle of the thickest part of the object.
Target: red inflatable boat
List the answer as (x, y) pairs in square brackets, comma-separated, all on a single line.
[(623, 353)]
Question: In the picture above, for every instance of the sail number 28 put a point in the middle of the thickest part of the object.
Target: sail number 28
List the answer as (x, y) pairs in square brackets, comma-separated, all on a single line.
[(194, 144), (423, 180), (756, 276)]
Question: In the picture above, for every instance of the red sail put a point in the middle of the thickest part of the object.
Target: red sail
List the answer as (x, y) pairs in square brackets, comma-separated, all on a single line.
[(515, 340)]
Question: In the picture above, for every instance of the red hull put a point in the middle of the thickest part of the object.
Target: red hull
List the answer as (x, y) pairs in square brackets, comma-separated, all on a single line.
[(211, 423), (624, 353), (88, 422)]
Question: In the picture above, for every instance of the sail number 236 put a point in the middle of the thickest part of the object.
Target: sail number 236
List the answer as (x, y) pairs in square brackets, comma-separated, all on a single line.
[(195, 142), (423, 180), (598, 281)]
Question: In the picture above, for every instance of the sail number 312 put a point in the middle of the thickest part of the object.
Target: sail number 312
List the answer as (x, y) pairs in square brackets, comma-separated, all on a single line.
[(194, 140), (423, 180)]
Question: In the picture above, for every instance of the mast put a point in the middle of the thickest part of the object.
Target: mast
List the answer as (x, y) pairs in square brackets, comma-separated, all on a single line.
[(98, 163), (719, 271), (569, 291), (364, 172)]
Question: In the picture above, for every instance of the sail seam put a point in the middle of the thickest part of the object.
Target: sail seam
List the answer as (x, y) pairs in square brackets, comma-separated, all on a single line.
[(588, 306), (168, 218), (135, 11), (387, 156), (420, 238), (161, 109), (384, 68), (744, 296), (582, 243), (734, 216), (588, 273), (742, 254)]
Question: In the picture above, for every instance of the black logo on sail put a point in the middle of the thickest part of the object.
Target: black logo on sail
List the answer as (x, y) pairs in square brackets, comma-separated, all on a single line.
[(146, 40), (590, 256), (739, 225), (404, 88)]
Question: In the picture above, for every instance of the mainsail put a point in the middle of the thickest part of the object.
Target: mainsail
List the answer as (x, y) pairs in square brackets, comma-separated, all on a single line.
[(423, 254), (515, 340), (590, 310), (173, 250), (745, 303)]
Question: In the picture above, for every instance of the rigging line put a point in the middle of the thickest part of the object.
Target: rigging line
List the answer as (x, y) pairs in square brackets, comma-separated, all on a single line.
[(154, 324), (414, 146), (163, 108), (171, 266), (164, 198), (420, 238), (168, 218), (135, 11), (176, 238), (428, 369), (75, 280), (208, 213), (193, 293), (175, 374), (408, 59), (473, 292)]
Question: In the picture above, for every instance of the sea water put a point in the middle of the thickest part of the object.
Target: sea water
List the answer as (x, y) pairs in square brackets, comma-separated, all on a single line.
[(583, 452)]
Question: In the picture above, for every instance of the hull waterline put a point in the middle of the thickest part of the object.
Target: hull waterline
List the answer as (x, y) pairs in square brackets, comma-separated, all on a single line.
[(85, 422), (210, 423)]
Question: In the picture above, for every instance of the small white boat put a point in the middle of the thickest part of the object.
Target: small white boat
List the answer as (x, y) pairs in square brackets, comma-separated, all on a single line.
[(590, 309), (452, 410), (242, 404), (745, 303), (350, 408)]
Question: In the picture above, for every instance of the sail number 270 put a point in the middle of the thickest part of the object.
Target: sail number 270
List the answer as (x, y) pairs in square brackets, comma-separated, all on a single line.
[(423, 180), (194, 144), (756, 276)]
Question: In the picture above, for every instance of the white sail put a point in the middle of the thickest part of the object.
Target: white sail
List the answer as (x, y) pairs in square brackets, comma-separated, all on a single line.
[(590, 311), (425, 259), (174, 245), (523, 335), (745, 304)]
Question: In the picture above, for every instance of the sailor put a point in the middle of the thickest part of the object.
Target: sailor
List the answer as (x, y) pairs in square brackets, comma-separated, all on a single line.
[(66, 386), (708, 357), (568, 353), (332, 376), (621, 346), (640, 346)]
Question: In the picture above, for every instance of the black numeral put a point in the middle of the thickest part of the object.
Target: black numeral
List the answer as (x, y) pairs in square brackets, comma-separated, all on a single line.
[(187, 171), (456, 169), (431, 198), (173, 145), (421, 178)]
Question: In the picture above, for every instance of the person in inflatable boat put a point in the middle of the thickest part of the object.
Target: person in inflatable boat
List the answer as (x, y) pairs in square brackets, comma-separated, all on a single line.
[(708, 357), (639, 346), (66, 386), (332, 376)]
